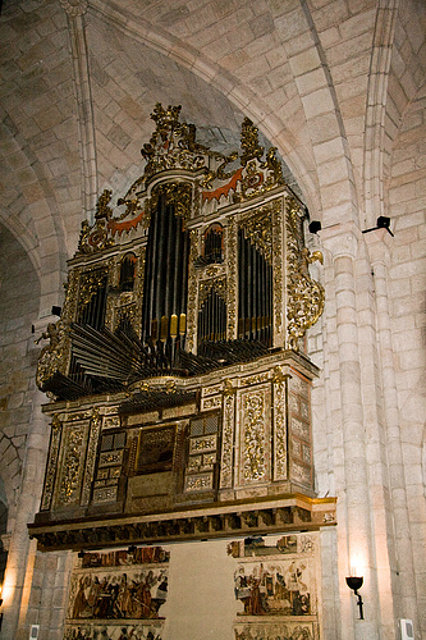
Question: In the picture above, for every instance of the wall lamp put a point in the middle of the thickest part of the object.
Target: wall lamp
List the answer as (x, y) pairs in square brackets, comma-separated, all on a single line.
[(356, 583), (314, 226), (382, 222)]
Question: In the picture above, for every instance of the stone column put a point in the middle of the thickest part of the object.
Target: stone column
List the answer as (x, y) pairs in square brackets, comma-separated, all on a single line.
[(76, 10), (354, 538), (402, 567), (21, 557)]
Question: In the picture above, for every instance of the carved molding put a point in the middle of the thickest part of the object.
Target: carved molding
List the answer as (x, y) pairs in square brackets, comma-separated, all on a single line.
[(74, 7), (290, 513)]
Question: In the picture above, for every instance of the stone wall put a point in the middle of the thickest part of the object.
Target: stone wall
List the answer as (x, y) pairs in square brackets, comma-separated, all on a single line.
[(19, 300)]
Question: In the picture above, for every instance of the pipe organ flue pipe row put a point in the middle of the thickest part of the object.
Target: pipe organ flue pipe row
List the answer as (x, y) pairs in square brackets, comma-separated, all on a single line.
[(254, 292), (165, 282)]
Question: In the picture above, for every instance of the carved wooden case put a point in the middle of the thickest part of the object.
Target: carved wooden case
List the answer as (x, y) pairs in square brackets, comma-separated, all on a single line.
[(176, 372)]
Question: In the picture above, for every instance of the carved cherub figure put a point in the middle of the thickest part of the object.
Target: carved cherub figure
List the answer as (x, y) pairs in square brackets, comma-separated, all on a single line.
[(51, 334)]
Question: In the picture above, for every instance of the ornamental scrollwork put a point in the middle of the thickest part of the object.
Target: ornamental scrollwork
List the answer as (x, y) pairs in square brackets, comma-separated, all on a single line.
[(51, 357), (90, 282), (258, 229), (95, 427), (218, 285), (72, 465), (227, 462), (173, 144), (305, 296), (98, 237), (254, 455), (277, 264), (280, 424), (231, 233), (250, 142), (192, 288)]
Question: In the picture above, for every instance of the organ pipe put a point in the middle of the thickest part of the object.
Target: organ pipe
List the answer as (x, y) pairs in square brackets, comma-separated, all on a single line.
[(165, 281), (254, 292)]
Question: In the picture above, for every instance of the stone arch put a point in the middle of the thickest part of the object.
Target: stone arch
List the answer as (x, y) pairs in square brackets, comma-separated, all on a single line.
[(239, 95), (30, 214), (395, 73)]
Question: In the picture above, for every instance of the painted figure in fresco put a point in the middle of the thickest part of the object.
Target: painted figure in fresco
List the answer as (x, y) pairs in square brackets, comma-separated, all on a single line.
[(124, 600), (115, 596), (80, 608), (298, 590), (161, 594), (256, 604), (273, 590)]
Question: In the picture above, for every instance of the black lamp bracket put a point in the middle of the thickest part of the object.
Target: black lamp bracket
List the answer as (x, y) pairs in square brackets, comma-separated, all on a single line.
[(356, 583), (382, 222)]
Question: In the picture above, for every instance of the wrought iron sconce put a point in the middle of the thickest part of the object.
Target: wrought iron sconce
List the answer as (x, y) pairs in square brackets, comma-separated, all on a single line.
[(382, 222), (356, 583)]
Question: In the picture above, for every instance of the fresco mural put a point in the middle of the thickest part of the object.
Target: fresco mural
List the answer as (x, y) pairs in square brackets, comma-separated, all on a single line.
[(276, 583), (115, 595)]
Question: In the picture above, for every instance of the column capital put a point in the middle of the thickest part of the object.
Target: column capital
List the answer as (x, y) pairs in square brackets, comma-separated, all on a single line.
[(341, 240), (74, 8), (378, 244)]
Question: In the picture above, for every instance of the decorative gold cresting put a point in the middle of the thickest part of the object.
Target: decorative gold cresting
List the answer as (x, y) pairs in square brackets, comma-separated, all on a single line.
[(173, 144), (250, 142)]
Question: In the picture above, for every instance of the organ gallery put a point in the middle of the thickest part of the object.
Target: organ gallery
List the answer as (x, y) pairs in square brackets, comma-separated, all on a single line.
[(179, 394)]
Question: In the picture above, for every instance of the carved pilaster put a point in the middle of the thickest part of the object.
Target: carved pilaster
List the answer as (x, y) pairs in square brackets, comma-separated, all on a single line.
[(278, 260), (280, 447), (52, 460), (228, 437), (191, 330), (254, 464), (68, 487), (232, 259), (94, 430)]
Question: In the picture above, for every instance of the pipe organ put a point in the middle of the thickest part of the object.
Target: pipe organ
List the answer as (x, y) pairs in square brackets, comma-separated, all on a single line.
[(177, 373)]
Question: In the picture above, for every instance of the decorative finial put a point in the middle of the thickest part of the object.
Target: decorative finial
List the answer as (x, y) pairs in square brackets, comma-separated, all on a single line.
[(250, 142)]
